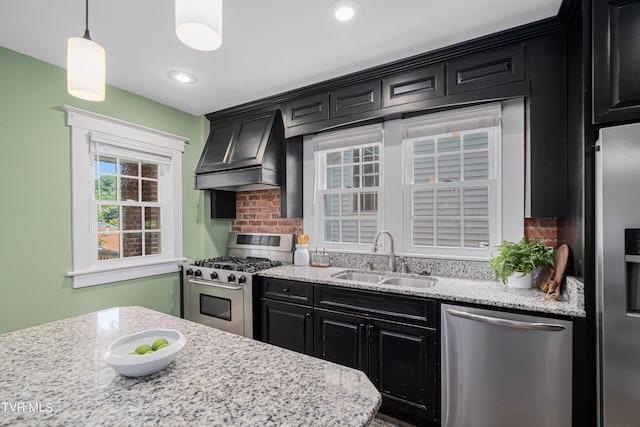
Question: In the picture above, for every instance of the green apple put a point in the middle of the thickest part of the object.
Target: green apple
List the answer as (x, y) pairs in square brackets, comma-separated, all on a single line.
[(163, 345), (157, 343), (143, 349)]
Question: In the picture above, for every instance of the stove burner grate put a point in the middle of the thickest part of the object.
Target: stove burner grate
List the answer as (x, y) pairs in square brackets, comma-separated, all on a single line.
[(248, 264)]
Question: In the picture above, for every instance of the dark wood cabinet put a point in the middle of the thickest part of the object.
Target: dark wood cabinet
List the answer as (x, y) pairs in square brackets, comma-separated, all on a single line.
[(307, 110), (341, 338), (287, 325), (355, 99), (285, 314), (287, 290), (402, 365), (528, 62), (486, 69), (399, 359), (616, 60), (391, 338), (223, 204), (546, 66), (412, 86)]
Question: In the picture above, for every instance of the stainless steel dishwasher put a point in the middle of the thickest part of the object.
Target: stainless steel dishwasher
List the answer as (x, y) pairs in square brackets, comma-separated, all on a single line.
[(504, 370)]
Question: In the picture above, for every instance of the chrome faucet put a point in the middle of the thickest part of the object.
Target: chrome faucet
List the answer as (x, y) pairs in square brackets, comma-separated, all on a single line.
[(374, 248)]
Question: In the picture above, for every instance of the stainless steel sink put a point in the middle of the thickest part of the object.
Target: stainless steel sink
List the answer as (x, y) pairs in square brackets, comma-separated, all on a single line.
[(360, 277), (407, 282)]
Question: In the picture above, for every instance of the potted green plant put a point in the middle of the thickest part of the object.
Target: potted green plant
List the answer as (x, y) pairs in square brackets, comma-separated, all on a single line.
[(516, 261)]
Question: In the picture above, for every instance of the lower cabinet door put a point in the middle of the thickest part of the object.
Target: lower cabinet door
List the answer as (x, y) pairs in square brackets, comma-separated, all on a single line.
[(287, 325), (341, 338), (402, 364)]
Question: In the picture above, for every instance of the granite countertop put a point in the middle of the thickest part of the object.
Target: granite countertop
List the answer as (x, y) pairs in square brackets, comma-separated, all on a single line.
[(484, 292), (54, 374)]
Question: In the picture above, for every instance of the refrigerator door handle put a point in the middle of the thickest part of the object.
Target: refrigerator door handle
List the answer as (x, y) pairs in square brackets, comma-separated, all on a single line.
[(632, 258), (549, 327)]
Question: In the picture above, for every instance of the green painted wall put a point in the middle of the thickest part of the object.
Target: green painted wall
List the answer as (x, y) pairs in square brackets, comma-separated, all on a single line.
[(35, 212)]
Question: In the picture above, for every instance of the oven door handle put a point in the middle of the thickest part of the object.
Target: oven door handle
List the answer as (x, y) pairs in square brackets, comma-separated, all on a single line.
[(215, 285)]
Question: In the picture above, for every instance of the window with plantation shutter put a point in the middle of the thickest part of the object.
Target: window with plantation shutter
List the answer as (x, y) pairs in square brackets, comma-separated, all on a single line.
[(348, 168), (450, 184), (450, 181)]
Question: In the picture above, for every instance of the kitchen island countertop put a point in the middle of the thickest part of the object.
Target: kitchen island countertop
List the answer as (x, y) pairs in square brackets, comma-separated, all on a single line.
[(485, 292), (54, 374)]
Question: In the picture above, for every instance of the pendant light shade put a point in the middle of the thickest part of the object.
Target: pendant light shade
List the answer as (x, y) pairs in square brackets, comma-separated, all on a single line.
[(86, 66), (199, 23)]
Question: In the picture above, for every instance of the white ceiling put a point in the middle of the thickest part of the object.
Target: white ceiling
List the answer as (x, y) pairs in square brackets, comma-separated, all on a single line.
[(269, 46)]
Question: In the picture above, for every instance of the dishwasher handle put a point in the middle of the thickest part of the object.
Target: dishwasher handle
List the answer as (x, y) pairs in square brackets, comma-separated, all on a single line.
[(549, 327)]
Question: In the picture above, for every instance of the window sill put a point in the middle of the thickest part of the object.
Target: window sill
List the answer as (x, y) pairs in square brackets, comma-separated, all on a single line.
[(99, 276)]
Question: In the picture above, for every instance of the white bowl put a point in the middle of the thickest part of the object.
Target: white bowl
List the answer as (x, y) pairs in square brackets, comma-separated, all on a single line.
[(137, 365)]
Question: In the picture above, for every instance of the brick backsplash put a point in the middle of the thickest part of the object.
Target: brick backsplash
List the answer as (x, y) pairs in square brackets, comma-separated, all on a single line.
[(544, 230), (259, 212)]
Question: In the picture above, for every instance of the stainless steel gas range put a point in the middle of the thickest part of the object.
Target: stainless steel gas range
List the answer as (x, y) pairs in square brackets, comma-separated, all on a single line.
[(218, 292)]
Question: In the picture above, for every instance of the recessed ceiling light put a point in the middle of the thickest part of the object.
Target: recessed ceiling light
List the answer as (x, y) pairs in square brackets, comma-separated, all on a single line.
[(344, 13), (182, 77), (344, 10)]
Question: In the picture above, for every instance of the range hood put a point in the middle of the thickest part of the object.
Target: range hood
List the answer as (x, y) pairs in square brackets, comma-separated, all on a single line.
[(245, 154)]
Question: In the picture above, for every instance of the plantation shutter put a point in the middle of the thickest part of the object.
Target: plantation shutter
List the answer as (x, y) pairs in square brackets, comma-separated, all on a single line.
[(449, 178)]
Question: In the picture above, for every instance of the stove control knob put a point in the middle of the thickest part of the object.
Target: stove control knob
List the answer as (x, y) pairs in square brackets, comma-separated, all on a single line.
[(198, 273), (214, 275), (242, 279), (231, 278), (189, 272)]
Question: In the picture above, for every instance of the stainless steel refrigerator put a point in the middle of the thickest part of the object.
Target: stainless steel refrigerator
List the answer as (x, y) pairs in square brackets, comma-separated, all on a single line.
[(618, 274)]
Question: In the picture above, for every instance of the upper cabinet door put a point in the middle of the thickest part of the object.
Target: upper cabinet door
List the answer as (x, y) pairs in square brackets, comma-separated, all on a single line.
[(355, 99), (616, 60), (412, 86), (486, 69), (307, 110)]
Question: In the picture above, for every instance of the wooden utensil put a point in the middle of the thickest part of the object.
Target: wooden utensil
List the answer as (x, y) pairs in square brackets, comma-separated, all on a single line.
[(545, 278), (561, 260)]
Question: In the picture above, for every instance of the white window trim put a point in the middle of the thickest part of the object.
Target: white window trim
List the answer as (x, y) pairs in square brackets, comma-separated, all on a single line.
[(311, 208), (88, 127), (479, 117), (494, 201), (511, 180)]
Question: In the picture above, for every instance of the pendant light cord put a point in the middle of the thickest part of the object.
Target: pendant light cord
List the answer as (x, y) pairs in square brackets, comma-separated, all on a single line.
[(86, 21)]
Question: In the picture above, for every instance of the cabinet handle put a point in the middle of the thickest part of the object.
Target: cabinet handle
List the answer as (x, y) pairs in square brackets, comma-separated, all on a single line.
[(285, 289), (370, 332)]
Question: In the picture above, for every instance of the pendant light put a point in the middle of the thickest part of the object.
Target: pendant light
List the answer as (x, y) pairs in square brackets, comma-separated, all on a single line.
[(86, 69), (199, 23)]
